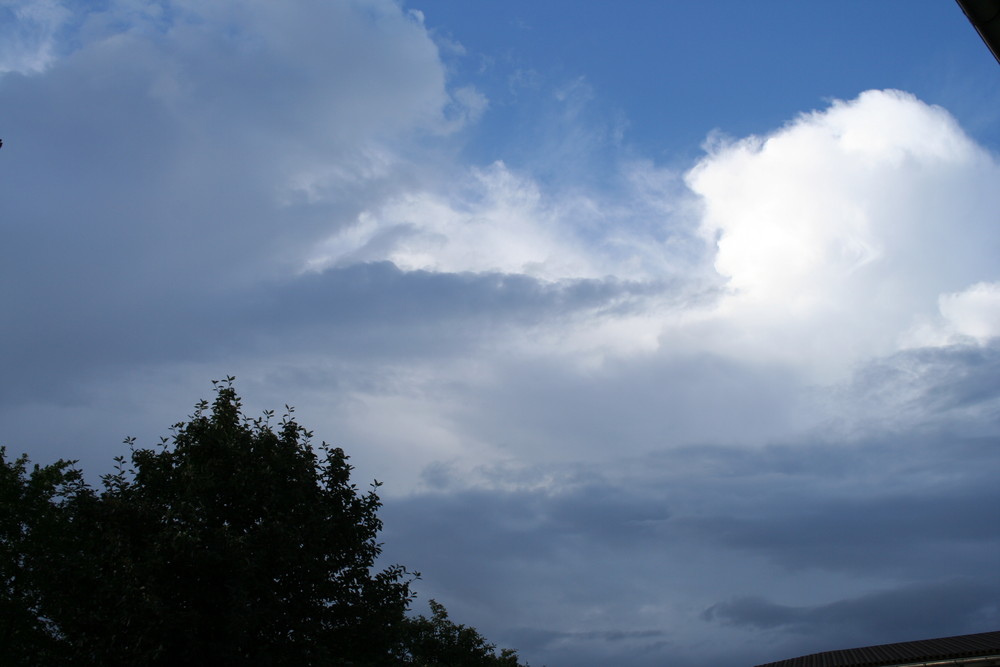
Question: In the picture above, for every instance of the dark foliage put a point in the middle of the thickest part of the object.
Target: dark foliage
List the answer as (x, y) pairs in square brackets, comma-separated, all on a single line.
[(438, 642), (233, 543)]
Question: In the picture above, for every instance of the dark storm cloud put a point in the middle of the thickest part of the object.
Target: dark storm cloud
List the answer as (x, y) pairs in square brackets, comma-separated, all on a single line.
[(957, 606), (903, 534), (617, 548), (487, 544), (908, 612), (522, 524), (625, 648)]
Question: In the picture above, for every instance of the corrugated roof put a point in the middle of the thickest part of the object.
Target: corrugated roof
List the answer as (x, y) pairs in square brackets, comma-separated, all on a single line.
[(925, 650)]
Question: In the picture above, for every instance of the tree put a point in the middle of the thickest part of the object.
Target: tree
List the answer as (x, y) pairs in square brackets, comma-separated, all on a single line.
[(438, 642), (33, 526), (232, 543)]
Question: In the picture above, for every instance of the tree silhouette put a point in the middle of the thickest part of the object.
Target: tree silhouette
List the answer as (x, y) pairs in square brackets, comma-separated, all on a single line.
[(232, 543)]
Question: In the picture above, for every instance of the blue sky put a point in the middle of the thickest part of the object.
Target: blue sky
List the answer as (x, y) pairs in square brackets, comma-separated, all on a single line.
[(671, 328), (669, 70)]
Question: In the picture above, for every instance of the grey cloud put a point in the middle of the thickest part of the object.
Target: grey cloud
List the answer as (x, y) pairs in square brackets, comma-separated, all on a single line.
[(850, 508), (147, 173), (379, 292), (543, 405), (598, 647), (614, 635), (945, 388), (161, 179), (498, 556), (914, 611), (200, 171), (157, 203), (528, 522), (898, 531), (367, 311)]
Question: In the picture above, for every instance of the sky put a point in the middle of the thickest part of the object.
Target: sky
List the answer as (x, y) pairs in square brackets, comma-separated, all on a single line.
[(671, 328)]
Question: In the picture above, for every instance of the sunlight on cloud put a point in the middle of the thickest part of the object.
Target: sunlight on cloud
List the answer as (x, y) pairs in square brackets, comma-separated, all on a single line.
[(834, 236), (839, 231), (974, 312), (501, 221), (506, 228), (969, 316)]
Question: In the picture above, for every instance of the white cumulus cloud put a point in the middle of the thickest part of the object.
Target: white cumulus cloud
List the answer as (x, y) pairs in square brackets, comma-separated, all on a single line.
[(838, 232), (968, 316)]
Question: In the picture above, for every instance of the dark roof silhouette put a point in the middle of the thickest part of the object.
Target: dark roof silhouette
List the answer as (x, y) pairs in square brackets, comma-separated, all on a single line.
[(978, 649), (985, 17)]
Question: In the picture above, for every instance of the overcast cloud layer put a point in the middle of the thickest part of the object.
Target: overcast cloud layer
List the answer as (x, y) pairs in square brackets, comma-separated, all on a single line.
[(713, 413)]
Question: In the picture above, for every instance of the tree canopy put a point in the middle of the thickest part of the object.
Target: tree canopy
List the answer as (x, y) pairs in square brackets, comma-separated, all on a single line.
[(234, 542)]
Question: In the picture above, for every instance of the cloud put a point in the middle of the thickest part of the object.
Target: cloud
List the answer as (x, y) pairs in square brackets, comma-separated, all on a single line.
[(504, 229), (605, 394), (496, 220), (220, 121), (821, 543), (28, 34), (969, 316), (171, 157), (906, 613), (821, 233), (626, 555), (304, 229), (833, 536), (826, 229), (974, 312), (949, 388)]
